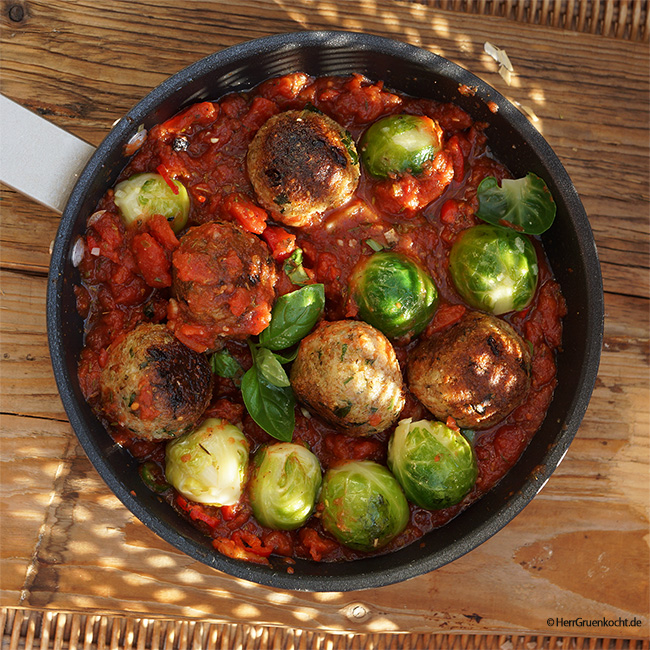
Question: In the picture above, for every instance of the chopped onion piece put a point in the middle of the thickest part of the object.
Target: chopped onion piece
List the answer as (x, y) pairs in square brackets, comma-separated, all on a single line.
[(136, 141), (391, 236), (94, 217), (78, 251)]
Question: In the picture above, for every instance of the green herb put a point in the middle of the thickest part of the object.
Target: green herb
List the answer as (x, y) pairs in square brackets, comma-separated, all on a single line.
[(342, 411), (270, 367), (294, 315), (348, 143), (152, 477), (265, 388), (287, 358), (294, 269), (272, 407), (375, 245), (524, 204), (225, 365), (312, 109), (281, 199)]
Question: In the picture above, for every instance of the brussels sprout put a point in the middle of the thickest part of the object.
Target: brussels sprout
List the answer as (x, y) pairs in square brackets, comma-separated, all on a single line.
[(434, 464), (143, 195), (394, 293), (526, 203), (284, 485), (209, 464), (400, 143), (494, 268), (363, 505)]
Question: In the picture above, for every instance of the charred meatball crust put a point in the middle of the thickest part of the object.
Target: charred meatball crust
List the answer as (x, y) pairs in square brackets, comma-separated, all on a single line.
[(477, 371), (347, 372), (223, 285), (302, 163), (153, 385)]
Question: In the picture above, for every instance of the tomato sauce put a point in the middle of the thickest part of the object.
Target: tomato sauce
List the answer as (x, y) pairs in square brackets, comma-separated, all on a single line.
[(126, 280)]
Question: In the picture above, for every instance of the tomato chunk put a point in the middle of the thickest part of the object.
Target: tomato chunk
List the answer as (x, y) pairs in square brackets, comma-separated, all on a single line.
[(281, 242), (152, 261), (249, 216)]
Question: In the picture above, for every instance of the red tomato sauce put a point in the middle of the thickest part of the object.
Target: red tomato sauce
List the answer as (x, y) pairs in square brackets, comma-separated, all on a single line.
[(126, 280)]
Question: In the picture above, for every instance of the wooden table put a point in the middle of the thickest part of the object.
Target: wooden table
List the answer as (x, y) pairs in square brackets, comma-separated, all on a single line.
[(579, 550)]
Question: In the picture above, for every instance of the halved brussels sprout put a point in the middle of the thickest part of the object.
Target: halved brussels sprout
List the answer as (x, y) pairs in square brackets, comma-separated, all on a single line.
[(209, 464), (399, 143), (494, 268), (363, 506), (394, 293), (284, 485), (434, 464), (146, 194)]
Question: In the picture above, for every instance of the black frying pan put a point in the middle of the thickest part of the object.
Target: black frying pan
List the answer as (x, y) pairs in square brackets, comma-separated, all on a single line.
[(569, 244)]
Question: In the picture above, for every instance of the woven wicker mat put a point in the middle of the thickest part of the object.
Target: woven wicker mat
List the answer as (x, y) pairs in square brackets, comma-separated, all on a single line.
[(31, 629), (627, 19)]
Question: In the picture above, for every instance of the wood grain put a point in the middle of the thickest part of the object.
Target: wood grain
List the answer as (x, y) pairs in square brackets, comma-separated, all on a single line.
[(578, 550)]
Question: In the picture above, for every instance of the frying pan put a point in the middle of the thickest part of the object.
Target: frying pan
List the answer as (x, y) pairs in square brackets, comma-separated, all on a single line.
[(512, 139)]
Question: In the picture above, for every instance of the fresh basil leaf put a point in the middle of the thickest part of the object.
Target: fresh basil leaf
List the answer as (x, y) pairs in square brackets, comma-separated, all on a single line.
[(270, 368), (294, 269), (293, 316), (525, 204), (272, 407), (225, 365), (287, 358)]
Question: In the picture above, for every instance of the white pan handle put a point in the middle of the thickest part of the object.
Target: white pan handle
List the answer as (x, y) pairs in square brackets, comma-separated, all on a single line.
[(37, 158)]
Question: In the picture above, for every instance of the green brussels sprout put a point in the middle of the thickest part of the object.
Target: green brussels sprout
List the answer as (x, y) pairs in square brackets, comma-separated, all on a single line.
[(434, 464), (494, 268), (209, 464), (146, 194), (394, 293), (399, 143), (363, 506), (284, 485)]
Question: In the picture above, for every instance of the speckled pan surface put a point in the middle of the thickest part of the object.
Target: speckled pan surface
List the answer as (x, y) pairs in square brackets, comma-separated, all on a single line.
[(513, 140)]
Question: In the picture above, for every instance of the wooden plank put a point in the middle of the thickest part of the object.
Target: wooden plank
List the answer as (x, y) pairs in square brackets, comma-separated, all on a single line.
[(32, 457), (597, 501), (28, 386), (602, 141)]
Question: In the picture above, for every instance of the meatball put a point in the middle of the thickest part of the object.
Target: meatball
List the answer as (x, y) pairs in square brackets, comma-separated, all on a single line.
[(347, 372), (223, 284), (153, 385), (302, 163), (476, 371)]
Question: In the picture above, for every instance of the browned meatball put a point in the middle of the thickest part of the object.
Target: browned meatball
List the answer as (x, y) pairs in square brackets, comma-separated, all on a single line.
[(224, 286), (302, 163), (476, 371), (347, 372), (153, 385)]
